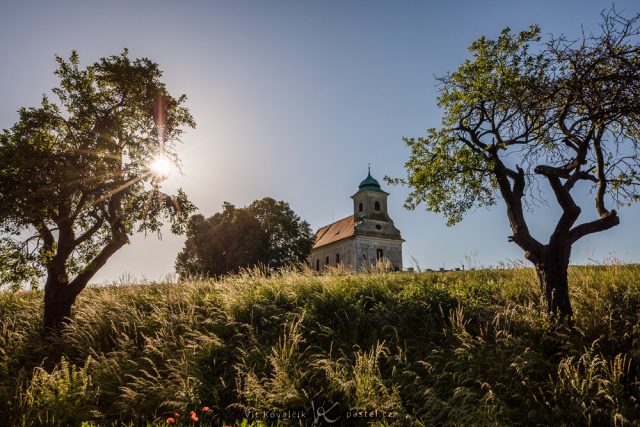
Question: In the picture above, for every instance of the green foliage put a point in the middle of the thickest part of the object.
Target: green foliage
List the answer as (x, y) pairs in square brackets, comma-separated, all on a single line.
[(592, 388), (456, 348), (74, 172), (289, 238), (266, 233), (279, 385), (447, 177), (446, 171), (358, 379), (17, 265), (65, 396), (521, 106)]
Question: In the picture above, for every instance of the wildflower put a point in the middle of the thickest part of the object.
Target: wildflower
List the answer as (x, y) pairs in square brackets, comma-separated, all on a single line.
[(176, 415), (170, 420), (194, 417), (205, 409)]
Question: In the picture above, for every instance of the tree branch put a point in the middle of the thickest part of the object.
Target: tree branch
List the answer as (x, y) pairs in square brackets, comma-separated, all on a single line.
[(91, 231), (579, 175), (45, 234), (602, 180), (609, 220), (513, 199), (81, 280), (78, 209)]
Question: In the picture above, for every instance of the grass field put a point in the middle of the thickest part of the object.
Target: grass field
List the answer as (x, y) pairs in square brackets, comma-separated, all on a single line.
[(457, 348)]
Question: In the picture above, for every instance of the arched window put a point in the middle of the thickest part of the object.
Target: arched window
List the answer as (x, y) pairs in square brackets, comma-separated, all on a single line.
[(376, 206), (318, 265), (327, 261), (379, 254), (337, 259), (360, 207)]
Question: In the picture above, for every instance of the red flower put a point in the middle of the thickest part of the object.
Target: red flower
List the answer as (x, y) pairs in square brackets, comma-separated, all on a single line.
[(205, 409), (194, 417), (177, 415), (170, 420)]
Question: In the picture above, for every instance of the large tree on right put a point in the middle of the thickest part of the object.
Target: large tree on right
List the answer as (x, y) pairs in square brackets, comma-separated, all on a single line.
[(525, 117)]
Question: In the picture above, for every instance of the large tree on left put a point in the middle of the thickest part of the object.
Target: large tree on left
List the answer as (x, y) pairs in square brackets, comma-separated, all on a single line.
[(75, 175)]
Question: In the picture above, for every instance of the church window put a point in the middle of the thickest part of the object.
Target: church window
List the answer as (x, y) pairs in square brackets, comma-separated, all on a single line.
[(378, 227), (327, 261), (379, 254), (360, 207), (317, 265), (337, 259), (376, 206)]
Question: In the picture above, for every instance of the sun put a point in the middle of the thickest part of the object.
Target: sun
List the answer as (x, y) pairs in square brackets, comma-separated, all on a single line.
[(161, 166)]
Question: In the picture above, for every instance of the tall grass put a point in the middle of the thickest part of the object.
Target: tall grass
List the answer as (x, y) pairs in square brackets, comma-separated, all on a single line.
[(456, 348)]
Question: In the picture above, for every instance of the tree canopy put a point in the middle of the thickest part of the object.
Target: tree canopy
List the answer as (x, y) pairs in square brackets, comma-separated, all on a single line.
[(74, 173), (266, 233), (522, 114)]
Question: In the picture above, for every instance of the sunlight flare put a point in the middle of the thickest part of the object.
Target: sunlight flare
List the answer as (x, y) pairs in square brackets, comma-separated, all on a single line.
[(161, 166)]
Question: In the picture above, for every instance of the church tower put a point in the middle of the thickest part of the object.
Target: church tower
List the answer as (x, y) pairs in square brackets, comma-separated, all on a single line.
[(370, 202), (362, 240)]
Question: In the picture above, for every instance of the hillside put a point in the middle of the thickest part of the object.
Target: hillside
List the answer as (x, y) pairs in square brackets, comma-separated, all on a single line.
[(456, 348)]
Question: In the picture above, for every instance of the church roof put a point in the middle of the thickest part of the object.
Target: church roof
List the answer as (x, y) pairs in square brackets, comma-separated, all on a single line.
[(369, 183), (336, 231)]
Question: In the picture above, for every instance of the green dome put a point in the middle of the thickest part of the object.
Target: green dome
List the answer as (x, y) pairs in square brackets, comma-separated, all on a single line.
[(369, 183)]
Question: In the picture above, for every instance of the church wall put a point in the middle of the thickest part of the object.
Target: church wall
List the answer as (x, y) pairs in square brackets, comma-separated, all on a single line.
[(381, 229), (343, 247), (366, 249)]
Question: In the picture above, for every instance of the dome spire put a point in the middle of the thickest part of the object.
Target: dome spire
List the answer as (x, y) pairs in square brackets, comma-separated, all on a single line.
[(369, 183)]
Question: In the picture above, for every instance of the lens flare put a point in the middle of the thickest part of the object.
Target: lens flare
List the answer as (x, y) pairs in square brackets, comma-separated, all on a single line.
[(161, 166)]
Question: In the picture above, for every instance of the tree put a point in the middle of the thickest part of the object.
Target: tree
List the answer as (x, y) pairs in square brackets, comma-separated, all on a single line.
[(221, 244), (289, 239), (523, 113), (75, 179), (265, 233)]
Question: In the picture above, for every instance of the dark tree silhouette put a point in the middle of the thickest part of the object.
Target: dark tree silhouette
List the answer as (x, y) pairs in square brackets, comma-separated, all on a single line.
[(266, 233), (74, 176)]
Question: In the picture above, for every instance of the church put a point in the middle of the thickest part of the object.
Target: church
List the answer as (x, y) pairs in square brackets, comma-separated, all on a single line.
[(359, 241)]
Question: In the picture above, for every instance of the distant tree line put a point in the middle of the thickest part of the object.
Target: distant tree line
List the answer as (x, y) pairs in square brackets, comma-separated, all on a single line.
[(266, 233)]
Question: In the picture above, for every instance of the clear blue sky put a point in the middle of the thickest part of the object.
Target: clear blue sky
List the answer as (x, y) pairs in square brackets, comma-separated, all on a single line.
[(293, 98)]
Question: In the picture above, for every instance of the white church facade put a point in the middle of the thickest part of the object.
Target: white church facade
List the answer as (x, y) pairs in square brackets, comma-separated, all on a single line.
[(362, 240)]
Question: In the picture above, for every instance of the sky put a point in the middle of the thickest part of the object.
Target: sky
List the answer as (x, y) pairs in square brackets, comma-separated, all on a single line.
[(293, 99)]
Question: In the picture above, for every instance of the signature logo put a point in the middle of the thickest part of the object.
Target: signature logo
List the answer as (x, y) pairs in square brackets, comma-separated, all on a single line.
[(321, 412)]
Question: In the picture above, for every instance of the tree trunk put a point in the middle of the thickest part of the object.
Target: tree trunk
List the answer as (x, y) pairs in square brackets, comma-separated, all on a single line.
[(552, 272), (59, 296)]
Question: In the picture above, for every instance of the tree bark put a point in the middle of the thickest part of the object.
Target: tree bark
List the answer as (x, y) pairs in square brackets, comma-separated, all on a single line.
[(60, 294), (552, 268), (58, 299)]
